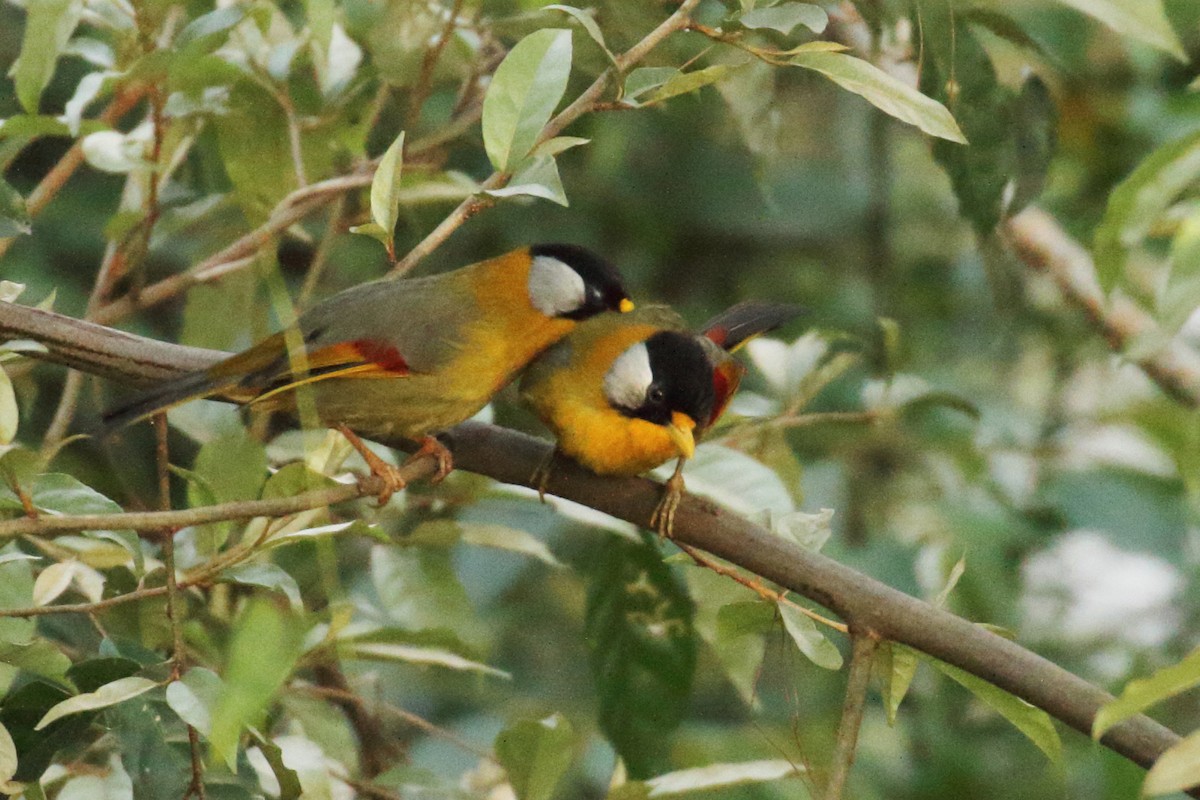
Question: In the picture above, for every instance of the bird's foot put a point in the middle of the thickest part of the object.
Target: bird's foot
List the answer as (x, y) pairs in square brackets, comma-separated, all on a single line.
[(663, 518), (391, 477), (431, 446), (540, 478)]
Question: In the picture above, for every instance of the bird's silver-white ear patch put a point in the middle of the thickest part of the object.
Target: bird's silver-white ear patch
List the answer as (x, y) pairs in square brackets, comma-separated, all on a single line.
[(629, 378), (555, 288)]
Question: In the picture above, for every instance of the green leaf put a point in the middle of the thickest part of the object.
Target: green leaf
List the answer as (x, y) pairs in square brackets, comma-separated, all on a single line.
[(1141, 693), (14, 217), (194, 697), (538, 177), (207, 31), (786, 16), (809, 638), (535, 754), (9, 414), (739, 648), (39, 657), (416, 654), (107, 695), (685, 82), (385, 192), (1029, 720), (289, 781), (1139, 202), (559, 144), (1176, 770), (266, 575), (502, 537), (642, 651), (735, 480), (48, 26), (418, 590), (897, 668), (1144, 20), (645, 79), (1180, 294), (719, 776), (8, 758), (523, 94), (589, 24), (884, 92), (228, 468), (266, 643)]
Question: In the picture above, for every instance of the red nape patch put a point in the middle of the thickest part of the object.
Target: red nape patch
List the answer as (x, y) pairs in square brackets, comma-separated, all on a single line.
[(726, 378), (382, 354), (717, 335)]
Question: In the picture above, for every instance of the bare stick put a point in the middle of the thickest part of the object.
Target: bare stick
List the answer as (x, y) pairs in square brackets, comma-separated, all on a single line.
[(861, 657)]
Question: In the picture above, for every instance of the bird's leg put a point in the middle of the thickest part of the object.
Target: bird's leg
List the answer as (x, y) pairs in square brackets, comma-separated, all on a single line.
[(663, 518), (431, 446), (541, 476), (393, 479)]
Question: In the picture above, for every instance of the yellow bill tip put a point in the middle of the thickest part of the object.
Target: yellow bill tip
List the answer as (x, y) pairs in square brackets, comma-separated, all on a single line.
[(680, 430), (626, 305)]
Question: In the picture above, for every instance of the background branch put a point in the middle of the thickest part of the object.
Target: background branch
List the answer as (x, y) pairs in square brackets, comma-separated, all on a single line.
[(869, 606)]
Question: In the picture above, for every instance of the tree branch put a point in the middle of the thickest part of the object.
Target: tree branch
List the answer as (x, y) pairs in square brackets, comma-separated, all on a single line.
[(870, 607), (861, 658)]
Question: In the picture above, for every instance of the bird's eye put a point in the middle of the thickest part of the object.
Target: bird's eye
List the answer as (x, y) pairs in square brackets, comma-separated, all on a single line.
[(655, 394)]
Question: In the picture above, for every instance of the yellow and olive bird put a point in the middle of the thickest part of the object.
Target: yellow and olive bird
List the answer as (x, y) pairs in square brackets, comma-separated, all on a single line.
[(411, 357), (625, 393)]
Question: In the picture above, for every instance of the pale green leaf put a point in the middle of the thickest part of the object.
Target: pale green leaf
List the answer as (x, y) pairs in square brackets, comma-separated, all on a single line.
[(537, 178), (956, 573), (1029, 720), (14, 216), (8, 756), (502, 537), (1144, 20), (1176, 770), (719, 776), (523, 93), (107, 695), (785, 17), (52, 582), (735, 480), (559, 144), (1180, 295), (416, 654), (385, 190), (645, 79), (886, 93), (9, 292), (899, 667), (206, 30), (1141, 693), (194, 697), (1139, 202), (810, 531), (9, 415), (809, 638), (589, 24), (48, 26), (685, 82), (373, 230), (266, 575), (535, 754)]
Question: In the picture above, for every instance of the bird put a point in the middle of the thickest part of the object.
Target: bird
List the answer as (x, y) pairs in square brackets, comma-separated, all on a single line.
[(625, 393), (409, 357)]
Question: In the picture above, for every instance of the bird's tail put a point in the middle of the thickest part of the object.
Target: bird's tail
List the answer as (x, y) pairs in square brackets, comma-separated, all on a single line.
[(192, 386), (738, 324)]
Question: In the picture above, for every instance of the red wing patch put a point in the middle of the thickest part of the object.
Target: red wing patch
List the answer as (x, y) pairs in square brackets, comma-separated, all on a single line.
[(363, 357), (726, 377), (718, 335)]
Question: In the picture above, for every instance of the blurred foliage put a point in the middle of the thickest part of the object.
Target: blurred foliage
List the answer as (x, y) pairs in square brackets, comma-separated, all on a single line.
[(466, 641)]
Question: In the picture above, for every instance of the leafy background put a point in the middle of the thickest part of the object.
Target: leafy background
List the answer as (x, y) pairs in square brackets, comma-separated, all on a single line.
[(963, 423)]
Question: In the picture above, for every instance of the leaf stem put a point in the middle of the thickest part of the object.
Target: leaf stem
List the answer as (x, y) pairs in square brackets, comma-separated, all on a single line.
[(861, 657)]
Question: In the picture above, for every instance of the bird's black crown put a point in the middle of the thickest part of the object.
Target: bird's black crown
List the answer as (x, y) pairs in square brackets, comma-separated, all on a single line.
[(603, 288)]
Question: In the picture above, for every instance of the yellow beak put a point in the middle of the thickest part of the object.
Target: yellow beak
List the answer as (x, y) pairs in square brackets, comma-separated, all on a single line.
[(626, 305), (680, 430)]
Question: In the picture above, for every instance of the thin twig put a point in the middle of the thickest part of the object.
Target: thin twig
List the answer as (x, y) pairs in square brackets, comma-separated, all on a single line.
[(861, 657), (321, 257), (425, 80), (581, 105)]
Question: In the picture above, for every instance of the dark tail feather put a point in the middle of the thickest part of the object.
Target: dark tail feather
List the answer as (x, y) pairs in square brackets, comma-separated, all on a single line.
[(192, 386), (738, 324)]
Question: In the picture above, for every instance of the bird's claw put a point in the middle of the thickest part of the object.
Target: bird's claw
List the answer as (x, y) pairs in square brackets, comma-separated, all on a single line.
[(431, 446), (540, 478), (391, 477), (663, 518)]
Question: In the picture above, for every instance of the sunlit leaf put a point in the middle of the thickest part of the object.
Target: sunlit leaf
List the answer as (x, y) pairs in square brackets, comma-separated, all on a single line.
[(1144, 20), (1180, 294), (523, 94), (8, 757), (735, 480), (559, 144), (718, 776), (266, 643), (107, 695), (1141, 693), (52, 582), (9, 413), (1139, 201), (195, 696), (785, 17), (206, 30), (809, 639), (1176, 770), (1028, 719), (268, 576), (685, 82), (535, 754), (886, 93), (897, 667), (290, 787), (537, 178), (589, 24), (48, 26), (385, 187), (810, 531), (415, 654)]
